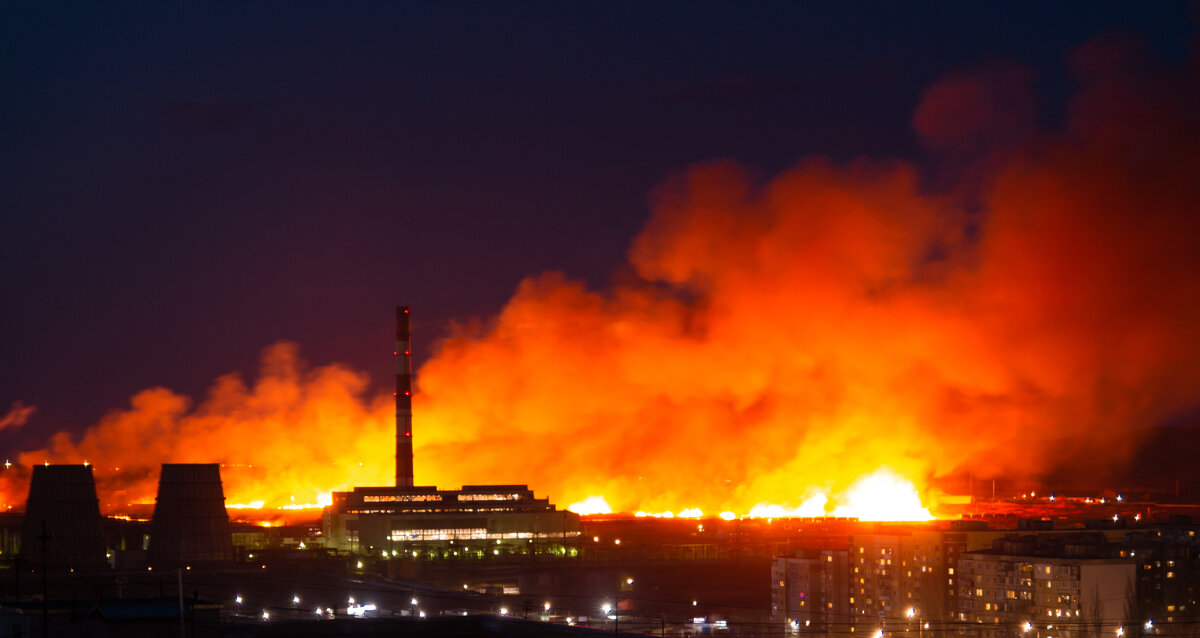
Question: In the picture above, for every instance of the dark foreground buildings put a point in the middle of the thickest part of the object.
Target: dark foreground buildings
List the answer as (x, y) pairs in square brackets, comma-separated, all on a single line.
[(980, 582)]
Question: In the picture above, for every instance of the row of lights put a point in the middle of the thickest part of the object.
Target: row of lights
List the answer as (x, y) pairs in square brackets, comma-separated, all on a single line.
[(1025, 628), (352, 607), (355, 609)]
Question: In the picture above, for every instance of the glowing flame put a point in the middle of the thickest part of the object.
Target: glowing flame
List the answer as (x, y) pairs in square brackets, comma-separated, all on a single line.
[(813, 506), (882, 496), (591, 505)]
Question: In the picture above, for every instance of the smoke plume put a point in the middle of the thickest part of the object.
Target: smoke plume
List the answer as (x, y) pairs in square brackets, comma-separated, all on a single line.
[(294, 434), (17, 415), (1030, 304), (796, 333)]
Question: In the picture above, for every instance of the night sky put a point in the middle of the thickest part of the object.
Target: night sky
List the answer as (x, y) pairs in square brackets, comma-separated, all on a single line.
[(181, 187)]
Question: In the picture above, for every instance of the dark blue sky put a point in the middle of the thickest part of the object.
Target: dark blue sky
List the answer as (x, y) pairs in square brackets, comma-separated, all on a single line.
[(181, 186)]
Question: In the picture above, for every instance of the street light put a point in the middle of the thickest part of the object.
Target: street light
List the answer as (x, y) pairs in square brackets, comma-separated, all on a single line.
[(912, 613)]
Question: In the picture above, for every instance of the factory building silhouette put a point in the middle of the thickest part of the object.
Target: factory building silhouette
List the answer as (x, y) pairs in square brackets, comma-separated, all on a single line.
[(418, 519)]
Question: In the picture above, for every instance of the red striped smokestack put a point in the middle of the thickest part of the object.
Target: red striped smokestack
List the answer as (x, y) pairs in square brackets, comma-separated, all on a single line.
[(403, 352)]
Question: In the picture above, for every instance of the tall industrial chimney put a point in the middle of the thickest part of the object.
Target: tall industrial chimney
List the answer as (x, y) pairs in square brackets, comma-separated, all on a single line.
[(403, 353)]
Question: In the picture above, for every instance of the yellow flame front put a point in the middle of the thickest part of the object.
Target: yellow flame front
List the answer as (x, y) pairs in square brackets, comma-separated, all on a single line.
[(882, 495)]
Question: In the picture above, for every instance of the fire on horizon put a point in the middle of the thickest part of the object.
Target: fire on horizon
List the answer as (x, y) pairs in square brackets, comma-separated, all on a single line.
[(834, 335)]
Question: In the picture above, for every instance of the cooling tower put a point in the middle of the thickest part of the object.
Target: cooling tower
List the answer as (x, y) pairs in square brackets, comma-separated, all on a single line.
[(62, 519), (190, 525)]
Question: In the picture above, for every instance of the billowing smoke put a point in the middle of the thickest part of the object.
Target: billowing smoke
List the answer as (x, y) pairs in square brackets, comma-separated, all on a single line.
[(294, 434), (18, 414), (1029, 304), (1037, 307)]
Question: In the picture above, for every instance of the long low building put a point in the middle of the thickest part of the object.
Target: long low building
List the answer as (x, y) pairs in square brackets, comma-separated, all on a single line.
[(507, 519)]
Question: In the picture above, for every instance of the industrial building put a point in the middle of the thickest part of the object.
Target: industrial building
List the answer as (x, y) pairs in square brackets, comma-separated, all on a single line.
[(423, 521)]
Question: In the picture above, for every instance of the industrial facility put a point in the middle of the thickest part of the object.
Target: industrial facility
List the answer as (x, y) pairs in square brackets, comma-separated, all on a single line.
[(412, 520)]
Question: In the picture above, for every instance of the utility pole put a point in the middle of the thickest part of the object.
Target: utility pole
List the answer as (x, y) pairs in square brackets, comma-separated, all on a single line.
[(617, 618), (45, 537), (182, 625)]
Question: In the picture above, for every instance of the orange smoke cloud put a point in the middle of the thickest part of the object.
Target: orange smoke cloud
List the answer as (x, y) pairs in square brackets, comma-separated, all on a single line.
[(773, 342), (17, 415), (784, 339), (292, 436)]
